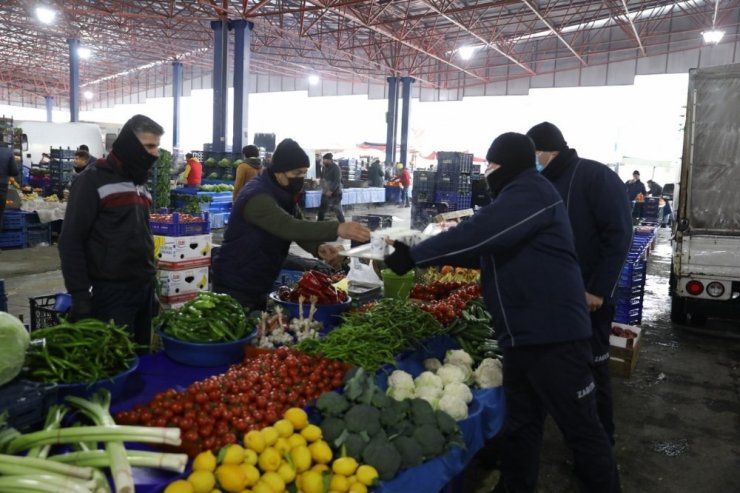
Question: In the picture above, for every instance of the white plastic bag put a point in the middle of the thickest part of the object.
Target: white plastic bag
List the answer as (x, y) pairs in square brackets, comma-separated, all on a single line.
[(363, 273)]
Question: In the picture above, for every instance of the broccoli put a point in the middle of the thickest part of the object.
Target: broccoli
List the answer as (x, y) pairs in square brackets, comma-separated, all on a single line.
[(403, 427), (410, 451), (390, 415), (332, 428), (422, 413), (332, 404), (360, 387), (446, 423), (363, 417), (352, 443), (383, 457), (432, 441), (380, 400)]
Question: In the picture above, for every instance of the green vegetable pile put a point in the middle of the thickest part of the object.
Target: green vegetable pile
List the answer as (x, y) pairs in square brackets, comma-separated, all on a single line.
[(380, 431), (211, 317), (84, 351), (14, 341), (473, 331), (373, 338), (221, 187)]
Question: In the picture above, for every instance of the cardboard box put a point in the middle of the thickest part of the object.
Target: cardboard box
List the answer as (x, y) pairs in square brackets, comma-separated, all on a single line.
[(624, 352), (176, 301), (172, 284), (180, 248), (184, 264)]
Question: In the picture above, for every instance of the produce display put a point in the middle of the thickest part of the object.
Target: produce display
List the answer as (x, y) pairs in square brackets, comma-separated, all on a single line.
[(621, 332), (211, 317), (373, 338), (168, 219), (277, 330), (14, 340), (84, 351), (445, 300), (221, 187), (313, 284), (473, 331), (448, 273), (249, 396)]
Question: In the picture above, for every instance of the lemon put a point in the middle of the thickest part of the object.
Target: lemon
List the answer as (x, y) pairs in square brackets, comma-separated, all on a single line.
[(346, 466), (284, 428), (367, 475), (204, 461), (232, 454), (352, 479), (179, 486), (231, 477), (320, 468), (251, 473), (202, 481), (311, 433), (269, 460), (339, 483), (274, 481), (255, 441), (287, 472), (297, 417), (270, 435), (320, 452), (262, 488), (313, 482), (295, 439), (301, 458), (250, 456), (282, 445), (358, 488)]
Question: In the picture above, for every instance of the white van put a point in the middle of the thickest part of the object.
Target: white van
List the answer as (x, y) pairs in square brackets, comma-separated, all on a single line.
[(42, 136)]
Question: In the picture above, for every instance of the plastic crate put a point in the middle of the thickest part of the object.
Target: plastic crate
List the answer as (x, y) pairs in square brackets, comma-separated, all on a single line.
[(17, 219), (37, 235), (13, 239), (27, 403), (219, 220), (449, 198), (418, 196), (633, 317), (424, 181), (177, 228), (447, 182), (374, 221), (43, 313)]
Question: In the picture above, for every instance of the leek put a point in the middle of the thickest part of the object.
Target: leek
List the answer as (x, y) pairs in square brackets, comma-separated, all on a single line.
[(11, 465), (53, 422), (138, 458), (44, 483)]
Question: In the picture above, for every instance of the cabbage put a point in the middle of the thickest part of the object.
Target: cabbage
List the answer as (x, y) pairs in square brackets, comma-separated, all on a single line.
[(14, 342)]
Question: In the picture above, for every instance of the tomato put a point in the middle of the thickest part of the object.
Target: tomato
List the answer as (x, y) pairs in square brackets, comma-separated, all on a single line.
[(190, 436)]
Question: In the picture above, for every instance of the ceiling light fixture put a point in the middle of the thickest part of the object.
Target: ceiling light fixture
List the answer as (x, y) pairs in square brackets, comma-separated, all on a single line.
[(45, 15), (313, 79), (84, 53), (88, 95), (466, 52), (714, 35)]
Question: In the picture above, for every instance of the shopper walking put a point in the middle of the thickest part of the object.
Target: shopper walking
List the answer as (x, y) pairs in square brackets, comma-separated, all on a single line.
[(600, 216), (8, 169), (331, 189), (405, 179), (106, 247), (251, 167), (532, 286)]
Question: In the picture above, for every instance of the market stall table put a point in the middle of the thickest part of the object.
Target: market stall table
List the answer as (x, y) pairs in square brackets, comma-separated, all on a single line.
[(350, 196), (47, 211)]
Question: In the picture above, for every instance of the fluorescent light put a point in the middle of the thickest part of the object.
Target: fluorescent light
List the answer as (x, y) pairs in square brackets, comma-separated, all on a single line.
[(313, 79), (466, 52), (713, 37), (45, 15), (88, 95), (84, 53)]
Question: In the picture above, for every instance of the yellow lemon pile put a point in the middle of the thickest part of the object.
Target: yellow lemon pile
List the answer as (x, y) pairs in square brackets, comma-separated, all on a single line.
[(290, 452)]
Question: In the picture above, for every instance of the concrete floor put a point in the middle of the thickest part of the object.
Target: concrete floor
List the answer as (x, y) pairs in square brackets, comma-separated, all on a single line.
[(677, 417)]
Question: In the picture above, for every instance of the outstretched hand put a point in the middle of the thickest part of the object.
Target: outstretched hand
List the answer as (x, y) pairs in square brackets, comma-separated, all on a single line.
[(400, 260), (354, 231)]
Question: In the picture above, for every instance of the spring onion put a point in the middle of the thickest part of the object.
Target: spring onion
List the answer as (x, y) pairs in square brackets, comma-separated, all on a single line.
[(45, 483), (138, 458), (11, 465), (53, 422)]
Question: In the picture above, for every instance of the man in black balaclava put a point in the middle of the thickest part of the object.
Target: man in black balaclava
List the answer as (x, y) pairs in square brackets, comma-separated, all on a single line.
[(523, 244), (106, 247)]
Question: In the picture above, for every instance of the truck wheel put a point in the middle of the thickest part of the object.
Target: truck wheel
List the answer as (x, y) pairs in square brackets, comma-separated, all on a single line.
[(697, 319), (678, 309)]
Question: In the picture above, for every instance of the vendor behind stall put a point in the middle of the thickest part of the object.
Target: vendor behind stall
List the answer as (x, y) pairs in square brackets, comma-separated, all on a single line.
[(192, 175), (265, 219)]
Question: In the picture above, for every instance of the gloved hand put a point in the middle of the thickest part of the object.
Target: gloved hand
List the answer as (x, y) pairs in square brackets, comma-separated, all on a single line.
[(81, 308), (400, 260)]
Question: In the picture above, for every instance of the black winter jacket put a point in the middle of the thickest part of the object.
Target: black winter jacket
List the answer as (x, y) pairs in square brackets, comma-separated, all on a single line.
[(600, 214), (530, 279)]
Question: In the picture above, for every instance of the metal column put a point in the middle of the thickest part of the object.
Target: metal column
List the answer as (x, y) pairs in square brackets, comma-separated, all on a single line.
[(74, 80), (220, 94), (49, 107), (176, 95), (405, 106), (242, 51), (391, 119)]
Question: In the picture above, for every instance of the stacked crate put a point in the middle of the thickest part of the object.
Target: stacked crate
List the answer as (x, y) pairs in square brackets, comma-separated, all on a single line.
[(61, 169), (424, 187), (631, 286), (650, 210), (453, 181), (23, 229), (183, 254)]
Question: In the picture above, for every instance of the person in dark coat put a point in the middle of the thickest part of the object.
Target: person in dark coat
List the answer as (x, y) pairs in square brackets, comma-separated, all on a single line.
[(375, 174), (90, 158), (601, 218), (8, 169), (635, 186), (331, 189), (654, 190), (532, 286)]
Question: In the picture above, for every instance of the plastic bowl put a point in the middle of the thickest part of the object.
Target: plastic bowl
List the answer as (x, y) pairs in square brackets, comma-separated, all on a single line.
[(329, 315), (115, 384), (205, 354), (62, 302)]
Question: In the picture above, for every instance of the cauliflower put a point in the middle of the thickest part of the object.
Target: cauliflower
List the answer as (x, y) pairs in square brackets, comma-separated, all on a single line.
[(453, 406), (400, 394), (400, 385), (459, 357), (452, 373), (428, 379), (489, 373), (459, 391), (432, 364), (429, 394)]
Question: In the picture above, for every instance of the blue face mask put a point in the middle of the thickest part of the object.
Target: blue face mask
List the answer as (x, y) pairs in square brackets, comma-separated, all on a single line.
[(537, 164)]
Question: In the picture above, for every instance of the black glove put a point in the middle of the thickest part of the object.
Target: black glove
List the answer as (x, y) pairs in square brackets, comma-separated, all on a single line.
[(81, 308), (400, 260)]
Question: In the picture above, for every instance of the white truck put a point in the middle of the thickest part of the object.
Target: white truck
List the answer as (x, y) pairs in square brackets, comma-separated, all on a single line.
[(705, 269), (41, 136)]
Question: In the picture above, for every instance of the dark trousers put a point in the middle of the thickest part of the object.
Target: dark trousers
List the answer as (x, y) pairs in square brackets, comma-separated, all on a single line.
[(248, 301), (404, 196), (601, 325), (126, 305), (333, 203), (553, 379), (3, 198)]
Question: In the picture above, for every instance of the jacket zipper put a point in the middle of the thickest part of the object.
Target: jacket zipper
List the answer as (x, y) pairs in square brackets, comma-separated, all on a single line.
[(500, 303)]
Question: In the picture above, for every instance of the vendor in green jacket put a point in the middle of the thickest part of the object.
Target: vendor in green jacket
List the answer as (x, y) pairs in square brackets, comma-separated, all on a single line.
[(265, 219)]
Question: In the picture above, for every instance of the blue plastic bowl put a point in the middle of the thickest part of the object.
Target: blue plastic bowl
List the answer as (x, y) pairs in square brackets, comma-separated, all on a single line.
[(115, 385), (329, 315), (205, 354), (62, 302)]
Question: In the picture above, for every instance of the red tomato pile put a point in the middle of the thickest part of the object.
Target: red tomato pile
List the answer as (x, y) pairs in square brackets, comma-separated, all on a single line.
[(249, 396), (446, 300), (167, 218)]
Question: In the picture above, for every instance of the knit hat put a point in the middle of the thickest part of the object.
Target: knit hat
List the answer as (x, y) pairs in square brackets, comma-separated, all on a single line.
[(512, 150), (547, 137), (288, 155), (250, 151), (328, 155)]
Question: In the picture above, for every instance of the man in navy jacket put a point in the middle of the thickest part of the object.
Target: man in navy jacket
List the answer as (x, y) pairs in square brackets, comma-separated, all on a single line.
[(601, 217), (532, 286)]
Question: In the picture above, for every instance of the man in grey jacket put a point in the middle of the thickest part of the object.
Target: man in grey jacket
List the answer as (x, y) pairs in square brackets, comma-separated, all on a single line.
[(331, 189)]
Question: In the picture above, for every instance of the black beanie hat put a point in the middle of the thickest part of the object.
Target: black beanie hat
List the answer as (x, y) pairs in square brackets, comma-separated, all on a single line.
[(547, 137), (328, 155), (288, 155), (512, 150)]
